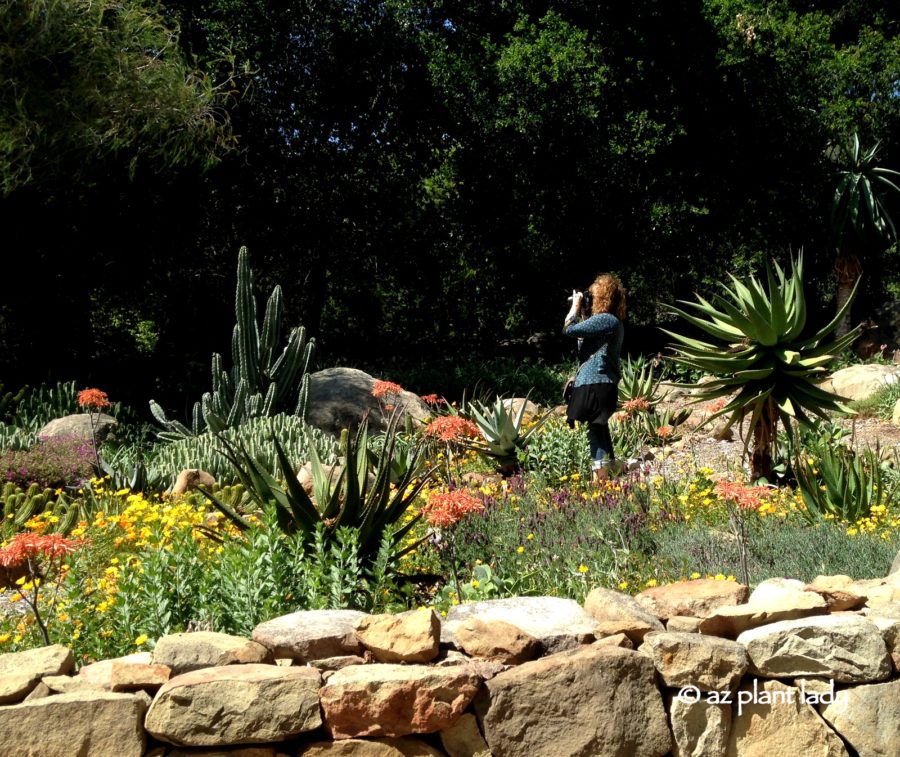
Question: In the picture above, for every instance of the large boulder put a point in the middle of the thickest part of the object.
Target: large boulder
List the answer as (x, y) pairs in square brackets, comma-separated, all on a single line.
[(597, 700), (496, 640), (689, 659), (79, 426), (236, 704), (859, 382), (341, 398), (699, 728), (369, 748)]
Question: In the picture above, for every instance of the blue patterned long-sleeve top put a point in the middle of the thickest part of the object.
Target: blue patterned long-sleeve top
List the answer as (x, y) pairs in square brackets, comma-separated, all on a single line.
[(599, 346)]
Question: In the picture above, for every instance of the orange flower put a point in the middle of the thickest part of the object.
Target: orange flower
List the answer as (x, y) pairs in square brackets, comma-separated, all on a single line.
[(451, 428), (25, 546), (432, 399), (93, 399), (445, 509), (381, 388), (664, 432), (638, 404), (745, 497)]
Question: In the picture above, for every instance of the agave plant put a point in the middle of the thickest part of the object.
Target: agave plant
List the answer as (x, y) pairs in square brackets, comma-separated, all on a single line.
[(758, 356), (352, 496), (637, 381), (501, 429), (843, 483)]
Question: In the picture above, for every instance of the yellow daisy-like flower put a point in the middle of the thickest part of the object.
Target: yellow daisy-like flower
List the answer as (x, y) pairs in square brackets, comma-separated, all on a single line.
[(583, 568), (623, 585), (141, 640), (695, 575), (520, 550)]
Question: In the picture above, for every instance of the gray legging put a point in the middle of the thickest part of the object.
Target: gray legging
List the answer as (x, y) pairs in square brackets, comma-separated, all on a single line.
[(601, 445)]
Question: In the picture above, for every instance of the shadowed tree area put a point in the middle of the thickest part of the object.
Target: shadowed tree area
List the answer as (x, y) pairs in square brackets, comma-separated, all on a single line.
[(424, 180)]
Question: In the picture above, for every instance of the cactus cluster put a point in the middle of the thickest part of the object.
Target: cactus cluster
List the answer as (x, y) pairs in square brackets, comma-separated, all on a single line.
[(19, 506), (262, 381), (255, 435)]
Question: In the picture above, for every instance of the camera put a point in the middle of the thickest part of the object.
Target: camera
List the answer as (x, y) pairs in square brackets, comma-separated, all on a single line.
[(587, 300)]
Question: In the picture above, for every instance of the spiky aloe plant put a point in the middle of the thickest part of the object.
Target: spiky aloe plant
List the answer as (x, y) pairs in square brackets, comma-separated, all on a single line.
[(358, 495), (261, 382), (501, 430), (757, 355)]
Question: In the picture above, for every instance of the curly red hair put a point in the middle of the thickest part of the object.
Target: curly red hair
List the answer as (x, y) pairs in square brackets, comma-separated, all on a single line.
[(608, 296)]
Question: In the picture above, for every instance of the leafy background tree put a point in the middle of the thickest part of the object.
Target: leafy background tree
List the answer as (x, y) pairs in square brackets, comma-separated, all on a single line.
[(426, 181)]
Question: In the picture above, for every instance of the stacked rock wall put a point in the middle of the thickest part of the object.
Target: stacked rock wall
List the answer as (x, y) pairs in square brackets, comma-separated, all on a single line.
[(693, 668)]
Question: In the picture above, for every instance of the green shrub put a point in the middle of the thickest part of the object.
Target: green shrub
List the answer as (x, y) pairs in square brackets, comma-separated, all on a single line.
[(776, 548), (54, 462), (556, 451)]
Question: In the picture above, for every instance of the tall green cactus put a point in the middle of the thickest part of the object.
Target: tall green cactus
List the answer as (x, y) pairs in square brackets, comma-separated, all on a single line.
[(261, 381)]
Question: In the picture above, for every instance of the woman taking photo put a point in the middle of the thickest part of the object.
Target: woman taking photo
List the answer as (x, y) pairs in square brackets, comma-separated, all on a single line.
[(596, 320)]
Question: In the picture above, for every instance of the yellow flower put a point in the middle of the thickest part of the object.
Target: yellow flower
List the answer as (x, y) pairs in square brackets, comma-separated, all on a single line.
[(4, 637), (475, 583), (530, 537), (623, 585), (650, 583), (720, 576), (520, 550), (695, 575), (140, 640), (582, 568)]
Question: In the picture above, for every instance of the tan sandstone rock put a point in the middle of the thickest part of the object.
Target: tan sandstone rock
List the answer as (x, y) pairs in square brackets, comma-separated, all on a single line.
[(238, 751), (184, 652), (601, 701), (697, 598), (395, 700), (98, 674), (463, 739), (370, 748), (496, 640), (699, 729), (868, 717), (311, 634), (20, 672), (619, 613), (616, 640), (683, 624), (236, 704), (859, 382), (778, 722), (408, 637), (82, 723), (732, 621), (556, 622), (845, 648), (126, 677), (835, 590), (191, 478), (689, 659)]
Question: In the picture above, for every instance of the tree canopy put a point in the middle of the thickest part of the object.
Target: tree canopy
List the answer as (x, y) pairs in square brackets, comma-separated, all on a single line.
[(423, 179)]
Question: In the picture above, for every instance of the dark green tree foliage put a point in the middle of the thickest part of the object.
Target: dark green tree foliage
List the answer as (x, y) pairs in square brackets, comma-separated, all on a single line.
[(431, 179), (84, 79)]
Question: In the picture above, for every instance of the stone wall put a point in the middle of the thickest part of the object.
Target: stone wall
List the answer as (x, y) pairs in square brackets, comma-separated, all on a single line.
[(694, 668)]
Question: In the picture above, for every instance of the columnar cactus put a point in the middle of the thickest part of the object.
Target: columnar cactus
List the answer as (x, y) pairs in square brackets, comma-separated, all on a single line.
[(261, 382)]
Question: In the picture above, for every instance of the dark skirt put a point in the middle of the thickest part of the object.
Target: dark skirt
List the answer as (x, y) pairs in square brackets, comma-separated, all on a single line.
[(593, 403)]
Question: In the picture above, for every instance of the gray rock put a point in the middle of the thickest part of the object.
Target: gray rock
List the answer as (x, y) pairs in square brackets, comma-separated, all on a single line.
[(689, 659), (311, 634), (699, 729), (845, 648), (557, 623), (183, 652), (79, 425), (341, 398), (868, 717)]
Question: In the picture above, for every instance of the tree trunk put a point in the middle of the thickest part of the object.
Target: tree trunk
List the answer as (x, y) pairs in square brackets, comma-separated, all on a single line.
[(847, 270), (761, 464)]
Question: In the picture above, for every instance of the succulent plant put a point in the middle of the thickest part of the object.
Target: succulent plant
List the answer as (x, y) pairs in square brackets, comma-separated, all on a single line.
[(758, 354), (262, 381)]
